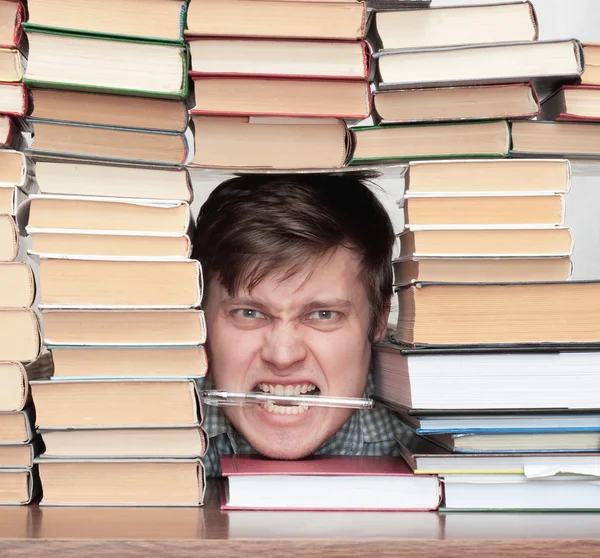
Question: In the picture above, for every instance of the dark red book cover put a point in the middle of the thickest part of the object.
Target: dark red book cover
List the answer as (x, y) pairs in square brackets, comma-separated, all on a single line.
[(24, 97), (17, 30)]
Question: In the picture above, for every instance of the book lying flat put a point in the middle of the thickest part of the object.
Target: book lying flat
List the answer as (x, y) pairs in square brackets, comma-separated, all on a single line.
[(161, 20), (575, 139), (273, 96), (81, 107), (591, 73), (272, 18), (11, 15), (122, 482), (10, 197), (18, 486), (10, 133), (125, 66), (499, 313), (573, 103), (14, 99), (20, 456), (421, 141), (14, 386), (124, 328), (541, 61), (326, 483), (247, 142), (92, 403), (19, 335), (9, 238), (17, 285), (15, 169), (438, 104), (11, 65), (486, 242), (279, 57), (85, 283), (17, 427)]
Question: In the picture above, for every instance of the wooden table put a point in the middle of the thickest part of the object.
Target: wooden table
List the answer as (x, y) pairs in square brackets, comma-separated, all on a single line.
[(34, 531)]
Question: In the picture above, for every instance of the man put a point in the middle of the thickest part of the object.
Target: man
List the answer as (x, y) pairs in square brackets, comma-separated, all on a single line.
[(298, 286)]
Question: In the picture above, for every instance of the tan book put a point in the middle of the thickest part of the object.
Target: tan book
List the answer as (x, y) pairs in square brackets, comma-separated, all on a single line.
[(556, 138), (17, 487), (464, 270), (123, 443), (10, 198), (14, 169), (272, 18), (113, 181), (573, 103), (9, 238), (486, 242), (109, 110), (11, 65), (13, 99), (122, 482), (488, 175), (591, 73), (499, 313), (17, 285), (246, 142), (119, 403), (19, 456), (14, 385), (526, 209), (457, 25), (123, 328), (19, 335), (132, 362), (70, 283), (18, 427), (478, 102), (11, 15)]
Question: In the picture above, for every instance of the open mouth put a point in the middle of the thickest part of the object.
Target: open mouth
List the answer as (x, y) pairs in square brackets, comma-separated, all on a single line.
[(278, 389)]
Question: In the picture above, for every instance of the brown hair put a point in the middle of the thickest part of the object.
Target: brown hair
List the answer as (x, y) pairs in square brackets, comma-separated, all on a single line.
[(256, 224)]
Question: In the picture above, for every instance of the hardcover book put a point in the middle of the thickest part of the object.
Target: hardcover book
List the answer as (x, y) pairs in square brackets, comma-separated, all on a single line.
[(14, 99), (573, 103), (11, 15), (573, 139)]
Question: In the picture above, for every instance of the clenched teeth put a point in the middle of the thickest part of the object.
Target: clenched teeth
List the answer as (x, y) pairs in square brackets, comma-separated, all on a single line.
[(278, 389)]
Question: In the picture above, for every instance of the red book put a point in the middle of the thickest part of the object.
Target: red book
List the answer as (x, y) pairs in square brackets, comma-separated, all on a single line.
[(356, 483), (10, 133), (14, 99), (573, 103), (11, 15)]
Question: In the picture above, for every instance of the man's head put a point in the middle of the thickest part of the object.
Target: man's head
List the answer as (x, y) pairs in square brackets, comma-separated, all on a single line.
[(299, 282)]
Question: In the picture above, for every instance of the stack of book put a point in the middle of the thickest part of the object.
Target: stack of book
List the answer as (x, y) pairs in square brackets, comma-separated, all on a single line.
[(119, 296)]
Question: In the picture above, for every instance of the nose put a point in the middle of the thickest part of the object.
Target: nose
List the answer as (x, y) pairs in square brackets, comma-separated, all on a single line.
[(283, 348)]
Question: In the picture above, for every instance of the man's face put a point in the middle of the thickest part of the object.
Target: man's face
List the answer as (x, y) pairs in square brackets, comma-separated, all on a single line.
[(306, 334)]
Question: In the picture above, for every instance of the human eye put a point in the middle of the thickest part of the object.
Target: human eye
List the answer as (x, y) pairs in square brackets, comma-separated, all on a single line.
[(249, 313), (323, 315)]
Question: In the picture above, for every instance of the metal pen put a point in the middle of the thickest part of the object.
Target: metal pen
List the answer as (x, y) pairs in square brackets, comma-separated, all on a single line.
[(222, 398)]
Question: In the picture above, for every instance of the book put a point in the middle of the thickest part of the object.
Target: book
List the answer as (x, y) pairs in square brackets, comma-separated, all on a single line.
[(92, 403), (438, 104), (591, 73), (230, 56), (18, 486), (19, 456), (101, 109), (103, 142), (486, 380), (11, 15), (81, 283), (486, 242), (442, 26), (487, 209), (10, 197), (18, 427), (19, 335), (419, 141), (337, 20), (9, 238), (124, 66), (128, 362), (110, 180), (123, 443), (326, 483), (95, 215), (573, 103), (14, 99), (15, 169), (575, 139), (11, 65), (544, 62), (160, 20), (499, 313), (10, 133), (457, 270), (274, 96), (492, 176), (17, 285), (123, 482), (124, 328), (247, 142)]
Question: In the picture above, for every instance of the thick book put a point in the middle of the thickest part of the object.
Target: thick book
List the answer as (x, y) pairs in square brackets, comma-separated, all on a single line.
[(71, 140), (19, 335), (113, 181), (264, 143), (237, 56), (115, 284), (438, 104), (124, 66), (326, 483), (11, 65), (9, 238), (591, 73), (572, 139), (128, 362), (90, 403), (573, 103), (482, 381), (14, 99), (122, 482), (307, 19), (10, 133), (12, 14), (487, 209), (20, 456), (16, 169), (100, 109), (499, 313), (123, 443), (17, 285), (17, 428), (160, 20), (544, 62), (423, 141), (10, 196), (124, 328), (481, 242), (18, 486), (274, 96)]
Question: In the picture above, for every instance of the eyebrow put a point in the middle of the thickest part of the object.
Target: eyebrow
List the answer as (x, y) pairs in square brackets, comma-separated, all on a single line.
[(328, 304)]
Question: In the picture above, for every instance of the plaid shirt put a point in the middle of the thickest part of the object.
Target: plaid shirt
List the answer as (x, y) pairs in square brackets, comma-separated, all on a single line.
[(366, 432)]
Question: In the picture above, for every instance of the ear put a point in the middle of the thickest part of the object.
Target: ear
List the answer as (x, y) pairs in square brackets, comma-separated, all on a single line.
[(381, 326)]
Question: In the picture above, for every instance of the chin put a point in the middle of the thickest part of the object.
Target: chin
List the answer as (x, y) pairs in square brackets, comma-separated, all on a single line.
[(285, 451)]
